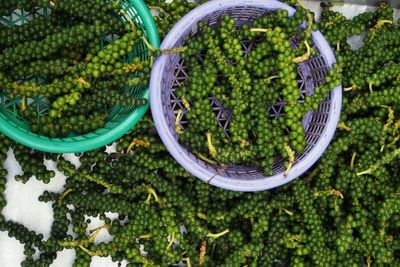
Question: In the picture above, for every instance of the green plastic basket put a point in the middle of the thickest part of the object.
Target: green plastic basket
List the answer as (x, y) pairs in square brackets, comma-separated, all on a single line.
[(120, 120)]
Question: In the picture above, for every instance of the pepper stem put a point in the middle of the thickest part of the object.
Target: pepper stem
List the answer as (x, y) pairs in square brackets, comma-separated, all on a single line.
[(146, 236), (128, 18), (165, 51), (369, 261), (353, 158), (351, 88), (215, 236), (203, 251), (89, 252), (64, 195), (288, 212), (23, 103), (151, 193), (185, 103), (259, 30), (305, 56), (343, 126), (391, 118), (202, 157), (211, 148), (178, 128), (188, 264), (332, 192), (385, 159), (136, 142), (291, 156), (171, 241)]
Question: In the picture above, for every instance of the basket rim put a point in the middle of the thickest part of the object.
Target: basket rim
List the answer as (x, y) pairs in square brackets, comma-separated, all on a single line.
[(180, 153), (100, 137)]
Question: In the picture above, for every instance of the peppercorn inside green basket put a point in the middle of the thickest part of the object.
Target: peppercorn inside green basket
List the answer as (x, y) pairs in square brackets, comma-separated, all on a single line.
[(120, 119)]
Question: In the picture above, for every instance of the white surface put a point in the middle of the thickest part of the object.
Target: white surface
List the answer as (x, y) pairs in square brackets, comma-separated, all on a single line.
[(24, 207)]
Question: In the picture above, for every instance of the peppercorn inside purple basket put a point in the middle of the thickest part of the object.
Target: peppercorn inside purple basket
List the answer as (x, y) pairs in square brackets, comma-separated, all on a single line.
[(170, 73)]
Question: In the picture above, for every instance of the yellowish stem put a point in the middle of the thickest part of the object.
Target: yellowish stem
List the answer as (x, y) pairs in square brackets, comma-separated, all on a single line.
[(185, 103), (351, 88), (128, 18), (259, 30), (332, 192), (380, 23), (136, 142), (202, 216), (338, 46), (305, 56), (81, 242), (353, 158), (74, 243), (94, 234), (23, 103), (146, 236), (212, 150), (130, 67), (370, 86), (116, 3), (153, 193), (90, 253), (336, 193), (174, 50), (288, 212), (215, 236), (220, 218), (343, 126), (291, 157), (165, 51), (64, 194), (391, 118), (171, 242), (97, 229), (98, 181), (178, 128), (369, 171), (369, 261), (203, 251), (202, 157), (188, 264), (149, 46)]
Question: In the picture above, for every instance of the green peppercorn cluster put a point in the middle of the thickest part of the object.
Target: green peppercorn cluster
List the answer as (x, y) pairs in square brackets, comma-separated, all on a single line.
[(248, 83), (170, 12), (63, 60)]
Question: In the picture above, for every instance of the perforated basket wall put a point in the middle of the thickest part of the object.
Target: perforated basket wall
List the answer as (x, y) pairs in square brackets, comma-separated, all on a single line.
[(120, 119), (169, 73)]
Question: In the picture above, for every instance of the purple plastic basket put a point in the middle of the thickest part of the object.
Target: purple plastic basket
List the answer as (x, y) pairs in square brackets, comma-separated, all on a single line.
[(169, 73)]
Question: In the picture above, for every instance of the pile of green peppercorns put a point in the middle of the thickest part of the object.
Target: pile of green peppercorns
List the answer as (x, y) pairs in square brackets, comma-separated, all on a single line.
[(247, 82), (344, 212)]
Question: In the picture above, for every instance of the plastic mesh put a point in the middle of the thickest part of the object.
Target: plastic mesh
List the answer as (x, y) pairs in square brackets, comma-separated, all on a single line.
[(311, 73), (10, 106)]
